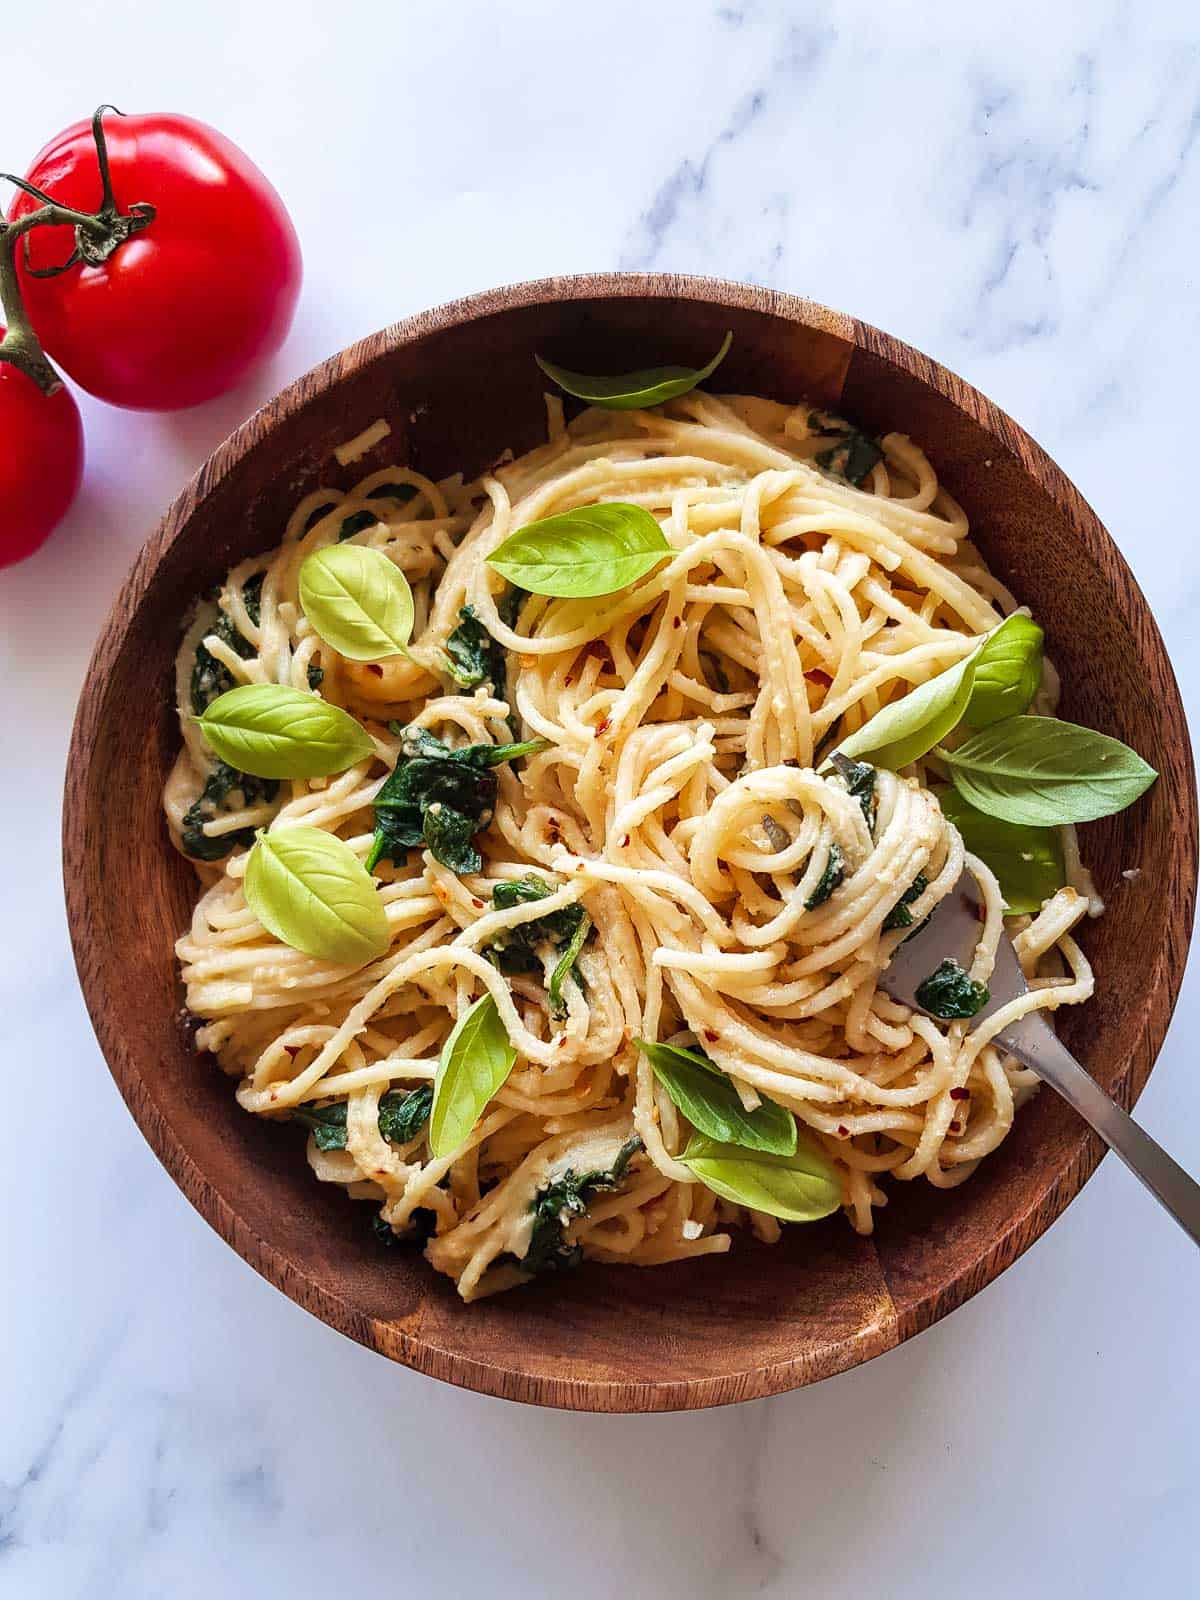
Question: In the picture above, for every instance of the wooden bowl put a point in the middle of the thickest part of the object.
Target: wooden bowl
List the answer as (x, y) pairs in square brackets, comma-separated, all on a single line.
[(458, 386)]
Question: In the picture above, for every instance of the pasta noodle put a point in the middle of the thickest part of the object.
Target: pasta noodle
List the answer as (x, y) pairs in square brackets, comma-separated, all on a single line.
[(677, 802)]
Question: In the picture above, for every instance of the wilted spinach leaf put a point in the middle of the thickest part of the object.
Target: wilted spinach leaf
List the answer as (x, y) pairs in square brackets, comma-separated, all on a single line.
[(853, 457), (558, 1006), (422, 1225), (859, 778), (516, 949), (948, 993), (211, 677), (559, 1203), (714, 671), (835, 870), (225, 789), (440, 798), (473, 656), (510, 603), (900, 916), (448, 833), (402, 1115), (355, 523)]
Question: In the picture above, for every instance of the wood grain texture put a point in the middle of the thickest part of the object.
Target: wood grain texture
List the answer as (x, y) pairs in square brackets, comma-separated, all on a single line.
[(458, 385)]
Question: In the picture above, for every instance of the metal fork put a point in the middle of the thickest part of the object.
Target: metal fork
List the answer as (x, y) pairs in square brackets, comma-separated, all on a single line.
[(953, 931)]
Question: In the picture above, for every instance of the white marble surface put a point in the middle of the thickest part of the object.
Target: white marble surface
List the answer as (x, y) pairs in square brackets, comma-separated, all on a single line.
[(1014, 189)]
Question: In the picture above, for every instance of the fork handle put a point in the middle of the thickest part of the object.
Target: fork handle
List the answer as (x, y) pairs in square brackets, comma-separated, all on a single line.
[(1035, 1044)]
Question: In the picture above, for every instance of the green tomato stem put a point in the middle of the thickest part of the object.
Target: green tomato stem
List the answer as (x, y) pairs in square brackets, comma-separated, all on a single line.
[(97, 235)]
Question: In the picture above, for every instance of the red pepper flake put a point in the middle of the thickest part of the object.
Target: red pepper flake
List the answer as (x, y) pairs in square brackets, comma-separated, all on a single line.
[(960, 1094), (624, 841), (478, 904), (677, 622), (956, 1127), (815, 675), (377, 670), (602, 728), (843, 1131), (711, 1035)]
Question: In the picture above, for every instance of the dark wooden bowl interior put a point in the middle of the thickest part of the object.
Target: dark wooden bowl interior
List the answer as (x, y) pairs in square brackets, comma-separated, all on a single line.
[(458, 386)]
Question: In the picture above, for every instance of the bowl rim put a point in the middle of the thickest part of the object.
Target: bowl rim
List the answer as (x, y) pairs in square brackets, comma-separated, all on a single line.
[(387, 1338)]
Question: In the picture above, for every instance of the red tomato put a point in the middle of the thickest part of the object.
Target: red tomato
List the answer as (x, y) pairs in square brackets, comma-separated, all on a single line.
[(180, 312), (41, 461)]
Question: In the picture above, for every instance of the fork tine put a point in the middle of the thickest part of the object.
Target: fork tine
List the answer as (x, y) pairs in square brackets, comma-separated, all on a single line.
[(952, 932)]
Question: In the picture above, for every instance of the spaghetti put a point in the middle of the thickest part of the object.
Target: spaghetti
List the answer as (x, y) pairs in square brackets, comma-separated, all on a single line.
[(677, 802)]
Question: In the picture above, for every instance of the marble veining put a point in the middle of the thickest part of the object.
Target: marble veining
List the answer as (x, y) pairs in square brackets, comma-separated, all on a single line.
[(1012, 189)]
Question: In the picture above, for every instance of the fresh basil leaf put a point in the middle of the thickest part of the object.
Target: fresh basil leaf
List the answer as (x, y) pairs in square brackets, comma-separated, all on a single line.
[(558, 1006), (356, 522), (1042, 772), (798, 1188), (631, 391), (835, 871), (711, 1103), (949, 992), (272, 731), (909, 728), (1008, 671), (559, 1203), (900, 916), (311, 891), (439, 797), (357, 600), (225, 789), (476, 1060), (1028, 862), (579, 554)]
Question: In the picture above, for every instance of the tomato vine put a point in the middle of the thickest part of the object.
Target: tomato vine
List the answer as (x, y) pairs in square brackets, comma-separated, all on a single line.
[(97, 235)]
